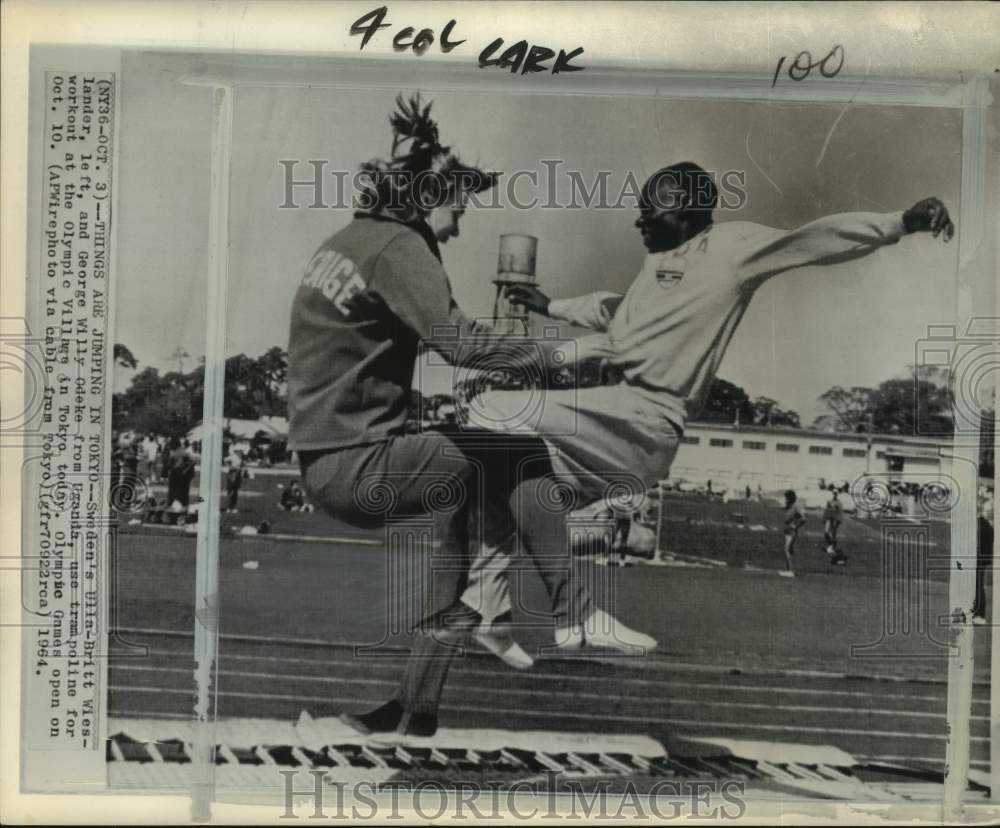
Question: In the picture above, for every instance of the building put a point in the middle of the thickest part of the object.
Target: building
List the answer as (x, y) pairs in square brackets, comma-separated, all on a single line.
[(738, 456)]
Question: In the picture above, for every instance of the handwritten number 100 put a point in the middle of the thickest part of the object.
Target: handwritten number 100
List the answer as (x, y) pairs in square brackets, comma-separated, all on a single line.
[(800, 68)]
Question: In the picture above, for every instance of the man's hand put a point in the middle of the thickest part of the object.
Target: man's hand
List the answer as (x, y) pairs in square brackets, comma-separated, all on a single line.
[(929, 214), (530, 297)]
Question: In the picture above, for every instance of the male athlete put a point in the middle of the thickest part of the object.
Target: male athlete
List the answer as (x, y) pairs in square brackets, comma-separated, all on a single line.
[(660, 344), (794, 520), (833, 515)]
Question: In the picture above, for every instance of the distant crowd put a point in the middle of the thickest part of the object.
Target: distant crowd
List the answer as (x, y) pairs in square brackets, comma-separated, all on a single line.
[(140, 462), (897, 498)]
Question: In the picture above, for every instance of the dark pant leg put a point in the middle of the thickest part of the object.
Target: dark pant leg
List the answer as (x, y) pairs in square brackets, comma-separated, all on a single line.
[(404, 477), (408, 476), (402, 474), (517, 470), (448, 473), (540, 506), (495, 470), (424, 677)]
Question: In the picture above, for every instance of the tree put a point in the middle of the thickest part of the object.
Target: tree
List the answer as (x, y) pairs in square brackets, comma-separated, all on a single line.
[(918, 403), (727, 403), (155, 403), (910, 406), (124, 357), (846, 409), (274, 372), (244, 395), (257, 387), (767, 412), (171, 403), (827, 422)]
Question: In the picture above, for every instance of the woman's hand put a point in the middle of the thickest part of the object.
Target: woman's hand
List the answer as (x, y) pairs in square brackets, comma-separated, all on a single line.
[(530, 297)]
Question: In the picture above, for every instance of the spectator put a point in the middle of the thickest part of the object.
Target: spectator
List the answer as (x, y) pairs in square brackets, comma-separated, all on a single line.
[(276, 452), (833, 515), (166, 448), (130, 450), (149, 451), (180, 475), (293, 499), (794, 519), (234, 479), (170, 456), (148, 508)]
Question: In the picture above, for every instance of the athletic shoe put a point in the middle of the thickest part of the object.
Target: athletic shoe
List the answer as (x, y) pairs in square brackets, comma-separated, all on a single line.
[(839, 560), (461, 620), (603, 630), (979, 621), (504, 647), (786, 573), (496, 636)]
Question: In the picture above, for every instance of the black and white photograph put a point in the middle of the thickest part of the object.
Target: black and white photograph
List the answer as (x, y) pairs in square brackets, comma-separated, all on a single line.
[(519, 436)]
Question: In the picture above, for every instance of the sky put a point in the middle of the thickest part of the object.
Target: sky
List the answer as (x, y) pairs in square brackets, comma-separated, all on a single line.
[(853, 324)]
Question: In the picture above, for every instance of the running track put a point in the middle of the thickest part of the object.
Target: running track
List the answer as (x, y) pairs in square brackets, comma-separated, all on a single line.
[(675, 702), (743, 655)]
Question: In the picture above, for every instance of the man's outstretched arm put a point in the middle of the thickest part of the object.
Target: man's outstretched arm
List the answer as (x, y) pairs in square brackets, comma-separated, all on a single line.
[(842, 237)]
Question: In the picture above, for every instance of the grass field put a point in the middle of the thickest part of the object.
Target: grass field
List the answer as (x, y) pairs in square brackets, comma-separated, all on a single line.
[(743, 653), (747, 533), (739, 533)]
